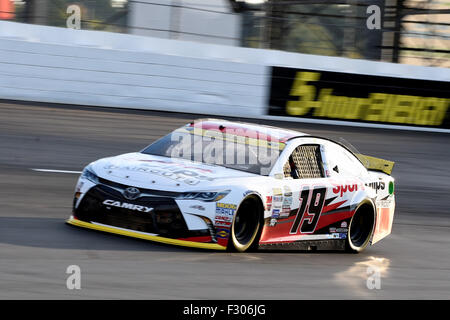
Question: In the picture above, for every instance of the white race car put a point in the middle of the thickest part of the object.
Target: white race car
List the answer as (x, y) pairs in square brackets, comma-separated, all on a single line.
[(220, 185)]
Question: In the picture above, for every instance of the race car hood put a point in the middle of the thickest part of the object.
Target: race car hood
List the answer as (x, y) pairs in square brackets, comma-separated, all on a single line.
[(156, 172)]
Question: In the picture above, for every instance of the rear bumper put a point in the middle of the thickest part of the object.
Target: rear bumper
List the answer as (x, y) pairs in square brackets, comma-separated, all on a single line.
[(385, 219), (142, 235)]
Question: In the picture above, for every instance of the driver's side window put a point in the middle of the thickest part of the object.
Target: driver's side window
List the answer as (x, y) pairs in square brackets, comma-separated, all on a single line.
[(305, 162)]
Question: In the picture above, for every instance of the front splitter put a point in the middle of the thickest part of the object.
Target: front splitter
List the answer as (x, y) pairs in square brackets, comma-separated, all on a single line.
[(143, 235)]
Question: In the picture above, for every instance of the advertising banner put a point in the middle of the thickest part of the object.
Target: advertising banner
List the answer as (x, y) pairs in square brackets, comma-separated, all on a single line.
[(355, 97)]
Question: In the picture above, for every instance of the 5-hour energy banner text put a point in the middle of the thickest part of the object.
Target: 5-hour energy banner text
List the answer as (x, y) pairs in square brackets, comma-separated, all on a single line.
[(355, 97)]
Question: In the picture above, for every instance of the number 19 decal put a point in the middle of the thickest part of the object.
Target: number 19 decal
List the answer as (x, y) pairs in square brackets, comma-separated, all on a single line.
[(309, 215)]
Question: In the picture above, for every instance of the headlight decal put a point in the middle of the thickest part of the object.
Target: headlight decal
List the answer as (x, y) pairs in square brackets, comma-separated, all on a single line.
[(88, 173), (208, 196)]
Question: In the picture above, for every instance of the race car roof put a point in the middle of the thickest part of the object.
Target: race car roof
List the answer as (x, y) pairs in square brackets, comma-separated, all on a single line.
[(250, 130)]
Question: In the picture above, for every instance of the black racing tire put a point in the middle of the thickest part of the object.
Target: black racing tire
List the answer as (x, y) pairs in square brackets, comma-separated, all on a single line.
[(247, 225), (361, 228)]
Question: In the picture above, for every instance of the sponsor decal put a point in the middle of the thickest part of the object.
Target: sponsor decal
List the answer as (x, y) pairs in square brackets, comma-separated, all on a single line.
[(277, 191), (341, 189), (197, 207), (232, 135), (181, 165), (284, 214), (276, 206), (226, 205), (269, 203), (277, 203), (357, 97), (173, 172), (287, 201), (273, 222), (225, 209), (129, 206), (222, 233), (277, 199), (224, 218), (344, 224), (287, 191), (342, 236), (378, 185), (335, 235), (338, 230), (384, 203), (285, 211), (222, 224)]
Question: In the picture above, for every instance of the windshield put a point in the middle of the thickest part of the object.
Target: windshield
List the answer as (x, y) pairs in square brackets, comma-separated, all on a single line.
[(212, 147)]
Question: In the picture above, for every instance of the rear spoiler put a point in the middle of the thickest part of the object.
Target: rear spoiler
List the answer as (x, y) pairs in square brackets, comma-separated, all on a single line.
[(376, 164)]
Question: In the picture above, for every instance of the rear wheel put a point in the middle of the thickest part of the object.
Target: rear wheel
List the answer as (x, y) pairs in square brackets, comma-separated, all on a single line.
[(247, 225), (361, 228)]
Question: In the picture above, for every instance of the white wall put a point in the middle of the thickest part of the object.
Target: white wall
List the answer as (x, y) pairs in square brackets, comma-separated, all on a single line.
[(48, 64)]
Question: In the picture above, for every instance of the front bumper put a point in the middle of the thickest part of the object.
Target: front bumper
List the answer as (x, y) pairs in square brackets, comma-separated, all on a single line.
[(153, 216)]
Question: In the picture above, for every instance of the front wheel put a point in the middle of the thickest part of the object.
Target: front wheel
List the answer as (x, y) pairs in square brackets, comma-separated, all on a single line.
[(361, 228), (247, 225)]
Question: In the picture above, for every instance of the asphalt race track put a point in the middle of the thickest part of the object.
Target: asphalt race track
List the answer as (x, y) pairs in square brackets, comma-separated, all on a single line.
[(36, 246)]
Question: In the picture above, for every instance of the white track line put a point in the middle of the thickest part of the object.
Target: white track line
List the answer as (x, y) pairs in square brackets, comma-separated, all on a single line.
[(56, 171)]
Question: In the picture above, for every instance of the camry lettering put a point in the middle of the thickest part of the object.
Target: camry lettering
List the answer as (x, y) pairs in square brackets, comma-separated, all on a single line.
[(129, 206)]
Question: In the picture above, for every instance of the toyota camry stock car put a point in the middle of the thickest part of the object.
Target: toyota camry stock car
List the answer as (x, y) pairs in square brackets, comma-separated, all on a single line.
[(218, 184)]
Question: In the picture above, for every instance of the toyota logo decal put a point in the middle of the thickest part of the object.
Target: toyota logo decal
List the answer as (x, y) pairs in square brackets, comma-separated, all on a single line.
[(131, 193)]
